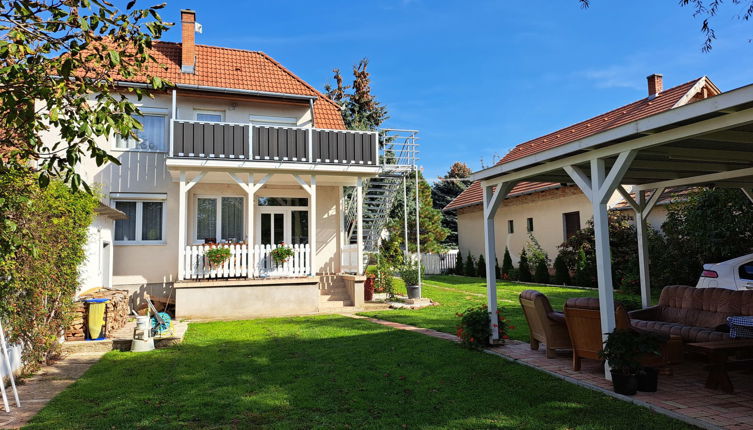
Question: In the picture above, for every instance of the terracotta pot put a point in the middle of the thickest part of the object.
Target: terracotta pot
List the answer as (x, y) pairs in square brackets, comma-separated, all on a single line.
[(368, 289)]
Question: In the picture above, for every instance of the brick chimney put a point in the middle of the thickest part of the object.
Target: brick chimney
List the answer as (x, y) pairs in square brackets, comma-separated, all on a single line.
[(655, 85), (188, 47)]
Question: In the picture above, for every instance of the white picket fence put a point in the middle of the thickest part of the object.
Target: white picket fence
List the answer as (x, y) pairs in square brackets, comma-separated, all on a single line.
[(349, 258), (245, 262), (437, 264)]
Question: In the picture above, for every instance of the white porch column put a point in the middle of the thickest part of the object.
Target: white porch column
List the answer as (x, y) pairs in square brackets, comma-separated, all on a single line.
[(359, 223), (312, 226), (599, 188), (182, 191), (251, 205), (492, 198)]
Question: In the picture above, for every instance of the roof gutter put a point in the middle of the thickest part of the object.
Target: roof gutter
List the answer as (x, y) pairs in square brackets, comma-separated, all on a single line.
[(224, 90), (719, 103)]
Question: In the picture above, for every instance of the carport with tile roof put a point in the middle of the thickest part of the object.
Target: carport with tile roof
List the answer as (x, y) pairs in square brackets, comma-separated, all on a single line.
[(708, 142)]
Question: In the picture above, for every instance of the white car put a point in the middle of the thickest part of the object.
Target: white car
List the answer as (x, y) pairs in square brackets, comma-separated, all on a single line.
[(735, 274)]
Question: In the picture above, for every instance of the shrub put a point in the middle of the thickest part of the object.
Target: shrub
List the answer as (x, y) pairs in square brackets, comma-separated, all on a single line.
[(497, 270), (384, 282), (409, 274), (43, 233), (470, 266), (474, 329), (585, 273), (535, 252), (561, 272), (524, 270), (459, 265), (507, 266), (217, 256), (542, 273), (481, 267)]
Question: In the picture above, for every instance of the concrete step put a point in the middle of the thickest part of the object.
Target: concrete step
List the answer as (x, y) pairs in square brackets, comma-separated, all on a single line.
[(335, 304), (333, 297)]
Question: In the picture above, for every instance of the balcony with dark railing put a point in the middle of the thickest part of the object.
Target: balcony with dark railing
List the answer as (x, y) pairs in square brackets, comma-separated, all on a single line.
[(246, 142)]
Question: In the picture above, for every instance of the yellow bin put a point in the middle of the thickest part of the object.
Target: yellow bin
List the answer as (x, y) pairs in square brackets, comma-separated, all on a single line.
[(96, 320)]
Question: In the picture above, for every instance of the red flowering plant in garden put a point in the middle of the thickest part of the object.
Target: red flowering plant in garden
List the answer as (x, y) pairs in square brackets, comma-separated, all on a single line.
[(474, 329)]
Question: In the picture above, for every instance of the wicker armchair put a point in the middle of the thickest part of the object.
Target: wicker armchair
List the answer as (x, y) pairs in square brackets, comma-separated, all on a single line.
[(544, 325)]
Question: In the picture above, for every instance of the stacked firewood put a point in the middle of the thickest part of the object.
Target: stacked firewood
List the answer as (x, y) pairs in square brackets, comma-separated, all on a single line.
[(116, 313)]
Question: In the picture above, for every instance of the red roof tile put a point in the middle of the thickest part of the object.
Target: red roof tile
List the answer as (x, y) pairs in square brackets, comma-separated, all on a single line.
[(243, 70), (632, 112), (472, 195)]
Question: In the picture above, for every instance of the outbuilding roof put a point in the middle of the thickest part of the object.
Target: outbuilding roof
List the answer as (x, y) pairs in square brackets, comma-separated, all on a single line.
[(668, 99)]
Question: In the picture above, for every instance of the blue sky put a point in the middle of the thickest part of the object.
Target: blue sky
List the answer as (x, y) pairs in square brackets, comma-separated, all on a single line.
[(476, 80)]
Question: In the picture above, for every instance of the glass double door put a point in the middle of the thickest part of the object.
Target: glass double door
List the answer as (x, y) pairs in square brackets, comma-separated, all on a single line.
[(278, 225)]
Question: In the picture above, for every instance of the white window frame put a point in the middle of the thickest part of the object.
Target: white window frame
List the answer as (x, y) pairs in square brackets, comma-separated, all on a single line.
[(148, 111), (274, 121), (139, 220), (287, 212), (218, 226), (221, 113)]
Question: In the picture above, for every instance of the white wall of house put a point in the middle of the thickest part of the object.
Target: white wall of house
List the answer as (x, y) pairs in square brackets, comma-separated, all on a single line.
[(546, 208)]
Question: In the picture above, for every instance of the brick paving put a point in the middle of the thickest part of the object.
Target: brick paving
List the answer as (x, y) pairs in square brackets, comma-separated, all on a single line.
[(681, 395)]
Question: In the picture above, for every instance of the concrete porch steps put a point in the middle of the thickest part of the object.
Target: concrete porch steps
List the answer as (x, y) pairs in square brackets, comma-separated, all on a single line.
[(332, 293)]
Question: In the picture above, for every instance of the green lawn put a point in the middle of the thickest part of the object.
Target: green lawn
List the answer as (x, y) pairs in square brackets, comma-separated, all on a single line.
[(458, 293), (327, 372)]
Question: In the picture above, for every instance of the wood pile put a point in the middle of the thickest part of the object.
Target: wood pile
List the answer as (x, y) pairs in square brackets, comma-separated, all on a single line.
[(117, 313)]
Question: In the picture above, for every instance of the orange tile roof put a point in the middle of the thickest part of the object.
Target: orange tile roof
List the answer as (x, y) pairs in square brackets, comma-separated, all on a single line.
[(631, 112), (243, 70), (472, 195)]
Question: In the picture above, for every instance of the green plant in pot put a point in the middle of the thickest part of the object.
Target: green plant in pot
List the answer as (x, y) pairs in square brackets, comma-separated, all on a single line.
[(281, 254), (409, 275), (217, 256), (624, 350)]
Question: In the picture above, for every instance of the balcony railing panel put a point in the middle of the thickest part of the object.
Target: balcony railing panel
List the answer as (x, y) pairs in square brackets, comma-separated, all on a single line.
[(280, 143), (344, 147), (210, 140)]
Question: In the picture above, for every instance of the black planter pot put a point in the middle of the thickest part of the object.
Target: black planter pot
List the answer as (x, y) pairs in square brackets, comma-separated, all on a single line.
[(413, 292), (624, 384), (648, 379)]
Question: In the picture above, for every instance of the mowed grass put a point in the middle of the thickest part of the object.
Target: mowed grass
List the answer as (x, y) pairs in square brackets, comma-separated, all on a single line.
[(327, 372), (455, 294)]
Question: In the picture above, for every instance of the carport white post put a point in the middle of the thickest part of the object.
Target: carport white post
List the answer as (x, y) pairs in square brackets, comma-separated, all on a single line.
[(599, 188), (492, 198), (642, 208)]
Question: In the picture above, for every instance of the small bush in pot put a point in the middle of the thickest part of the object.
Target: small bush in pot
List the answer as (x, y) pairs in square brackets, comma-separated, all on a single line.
[(409, 274), (623, 350), (474, 329), (217, 256)]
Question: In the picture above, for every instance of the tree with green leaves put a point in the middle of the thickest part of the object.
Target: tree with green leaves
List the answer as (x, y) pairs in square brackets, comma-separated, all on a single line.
[(470, 266), (444, 190), (433, 233), (524, 269), (707, 10), (459, 265), (59, 61), (507, 266), (360, 109), (481, 266)]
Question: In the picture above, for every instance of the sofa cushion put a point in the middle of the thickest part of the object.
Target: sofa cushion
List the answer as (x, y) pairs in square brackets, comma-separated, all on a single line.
[(703, 307), (687, 333)]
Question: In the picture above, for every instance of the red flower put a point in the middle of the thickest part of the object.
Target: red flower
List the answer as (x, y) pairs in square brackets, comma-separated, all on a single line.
[(495, 325), (512, 327), (505, 337), (473, 340)]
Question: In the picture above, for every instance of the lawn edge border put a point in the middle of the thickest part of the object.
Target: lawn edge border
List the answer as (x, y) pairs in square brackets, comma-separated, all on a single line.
[(447, 337)]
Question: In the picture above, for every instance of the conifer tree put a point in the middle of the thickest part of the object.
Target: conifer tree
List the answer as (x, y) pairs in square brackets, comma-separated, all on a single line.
[(470, 266), (459, 265), (481, 266), (507, 266), (524, 271)]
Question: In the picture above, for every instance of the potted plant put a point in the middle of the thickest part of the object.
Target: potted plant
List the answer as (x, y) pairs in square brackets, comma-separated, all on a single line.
[(624, 350), (217, 256), (410, 276), (281, 254), (368, 287)]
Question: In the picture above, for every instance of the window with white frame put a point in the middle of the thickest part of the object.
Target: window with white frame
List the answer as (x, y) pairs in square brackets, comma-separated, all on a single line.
[(219, 219), (273, 121), (210, 115), (145, 223), (153, 137)]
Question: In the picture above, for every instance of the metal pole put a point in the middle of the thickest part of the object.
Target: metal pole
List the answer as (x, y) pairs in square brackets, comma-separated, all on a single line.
[(418, 236), (10, 371), (405, 216)]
